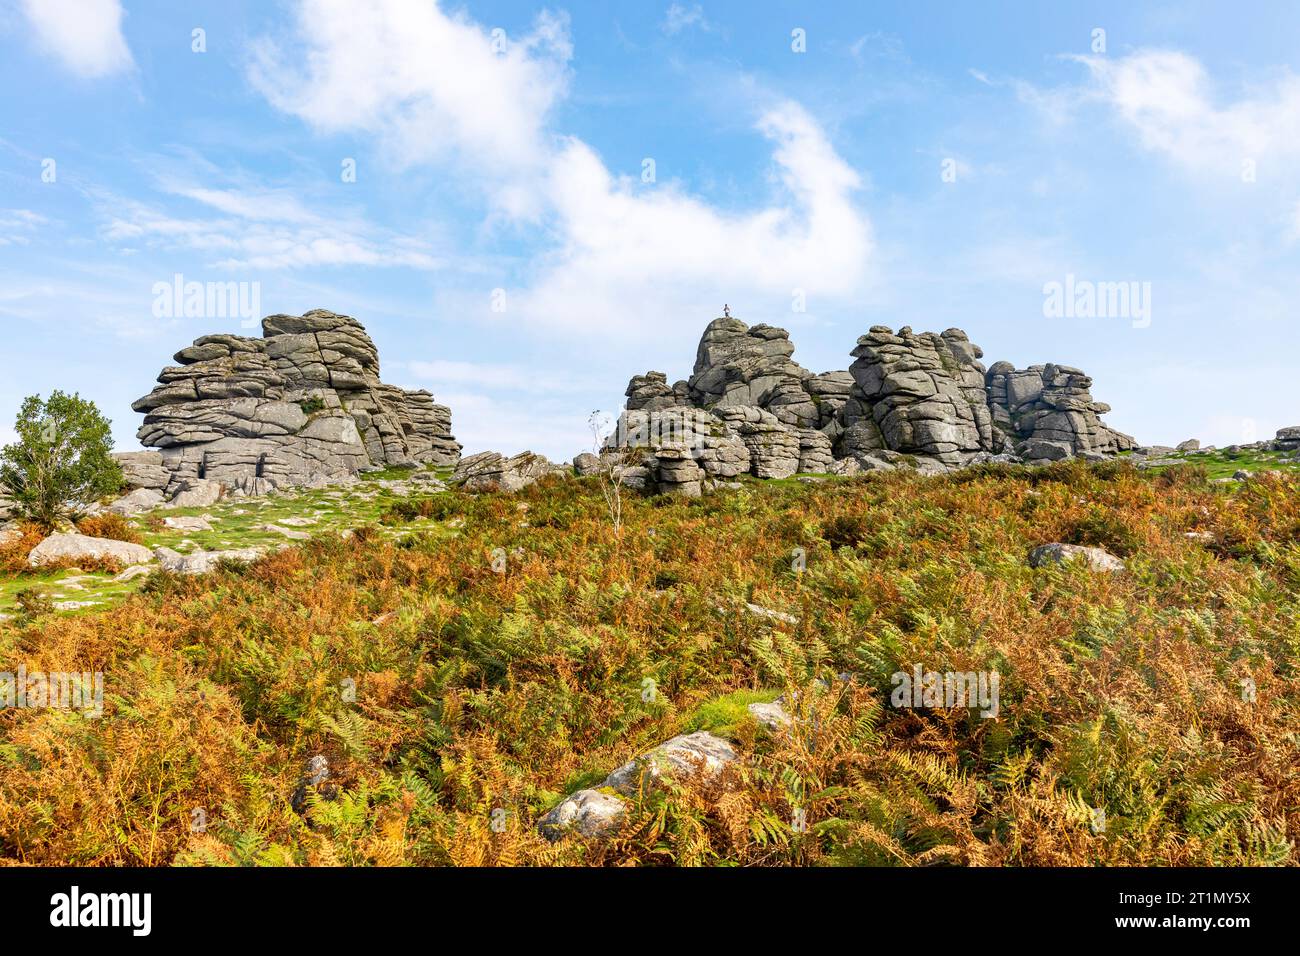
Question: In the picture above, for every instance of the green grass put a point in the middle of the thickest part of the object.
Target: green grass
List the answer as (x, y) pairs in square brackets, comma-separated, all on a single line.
[(1224, 464), (725, 715), (238, 524)]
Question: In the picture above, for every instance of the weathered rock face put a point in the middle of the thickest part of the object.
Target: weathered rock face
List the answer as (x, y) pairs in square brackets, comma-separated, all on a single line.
[(739, 365), (908, 400), (1052, 404), (925, 393), (78, 547), (493, 471), (301, 404)]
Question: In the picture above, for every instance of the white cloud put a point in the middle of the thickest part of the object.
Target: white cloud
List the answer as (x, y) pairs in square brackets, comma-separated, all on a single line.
[(432, 85), (17, 225), (1167, 98), (624, 257), (678, 18), (86, 35), (880, 46), (259, 229), (629, 253)]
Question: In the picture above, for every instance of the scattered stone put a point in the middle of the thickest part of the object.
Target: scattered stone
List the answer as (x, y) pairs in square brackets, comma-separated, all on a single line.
[(770, 715), (1097, 559), (74, 605), (201, 562), (75, 547), (675, 759), (183, 523), (589, 813), (781, 616), (296, 521), (427, 482), (287, 532), (133, 572)]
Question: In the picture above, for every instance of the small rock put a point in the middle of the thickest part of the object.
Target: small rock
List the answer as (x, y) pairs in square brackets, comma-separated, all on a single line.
[(201, 562), (678, 757), (770, 614), (1097, 559), (586, 464), (73, 605), (187, 524), (589, 813), (1192, 444), (131, 573), (770, 715), (287, 532)]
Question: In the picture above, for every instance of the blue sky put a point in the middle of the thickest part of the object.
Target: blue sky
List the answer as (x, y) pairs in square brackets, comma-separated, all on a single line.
[(923, 164)]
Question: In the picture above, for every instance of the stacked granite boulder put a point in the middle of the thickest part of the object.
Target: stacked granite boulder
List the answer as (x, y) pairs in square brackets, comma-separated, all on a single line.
[(1049, 409), (302, 405), (912, 399)]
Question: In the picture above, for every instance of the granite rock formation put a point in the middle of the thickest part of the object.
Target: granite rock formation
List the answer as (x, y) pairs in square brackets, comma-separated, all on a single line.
[(302, 405), (909, 399)]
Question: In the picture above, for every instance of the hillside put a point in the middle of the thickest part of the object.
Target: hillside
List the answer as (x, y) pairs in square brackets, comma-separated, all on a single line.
[(463, 662)]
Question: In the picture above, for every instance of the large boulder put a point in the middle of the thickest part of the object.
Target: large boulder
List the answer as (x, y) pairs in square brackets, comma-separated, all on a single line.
[(925, 392), (72, 547), (1287, 439), (142, 499), (1051, 403), (300, 405), (736, 364), (493, 471), (144, 469)]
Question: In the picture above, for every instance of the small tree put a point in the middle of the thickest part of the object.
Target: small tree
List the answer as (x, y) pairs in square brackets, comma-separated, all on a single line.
[(62, 460), (614, 461)]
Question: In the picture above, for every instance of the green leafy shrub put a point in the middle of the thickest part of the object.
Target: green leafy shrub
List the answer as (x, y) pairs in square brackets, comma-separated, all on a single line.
[(62, 460)]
